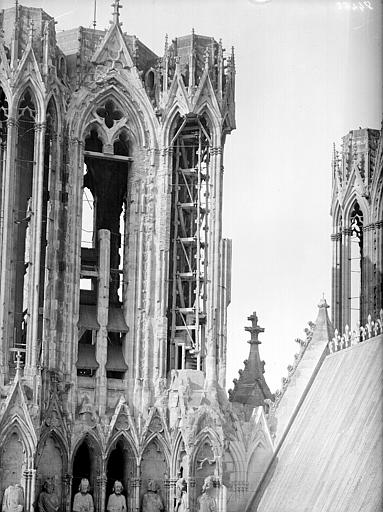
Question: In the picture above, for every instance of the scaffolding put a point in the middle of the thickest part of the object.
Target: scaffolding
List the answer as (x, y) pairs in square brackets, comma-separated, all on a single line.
[(189, 239)]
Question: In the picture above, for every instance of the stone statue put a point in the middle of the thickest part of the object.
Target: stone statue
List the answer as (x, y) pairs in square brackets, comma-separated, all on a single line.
[(13, 500), (116, 501), (83, 501), (181, 496), (206, 502), (48, 500), (152, 501)]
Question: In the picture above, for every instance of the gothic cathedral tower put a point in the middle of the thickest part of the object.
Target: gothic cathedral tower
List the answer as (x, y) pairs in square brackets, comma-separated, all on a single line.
[(115, 278), (357, 212)]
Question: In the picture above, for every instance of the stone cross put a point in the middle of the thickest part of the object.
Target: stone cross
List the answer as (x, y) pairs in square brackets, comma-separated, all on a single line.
[(255, 329), (116, 12)]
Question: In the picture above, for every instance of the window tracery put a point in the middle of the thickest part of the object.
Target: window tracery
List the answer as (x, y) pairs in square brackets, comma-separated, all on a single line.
[(109, 113)]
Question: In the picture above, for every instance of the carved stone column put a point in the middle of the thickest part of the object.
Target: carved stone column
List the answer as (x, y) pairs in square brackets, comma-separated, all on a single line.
[(99, 502), (135, 495), (29, 477), (215, 235), (33, 343), (172, 492), (6, 331), (66, 492), (192, 498), (102, 317), (168, 486)]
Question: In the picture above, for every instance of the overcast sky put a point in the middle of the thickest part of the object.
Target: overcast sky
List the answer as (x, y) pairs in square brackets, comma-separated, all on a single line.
[(308, 71)]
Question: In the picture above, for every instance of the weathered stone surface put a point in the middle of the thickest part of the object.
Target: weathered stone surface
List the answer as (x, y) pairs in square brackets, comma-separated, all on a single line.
[(113, 300)]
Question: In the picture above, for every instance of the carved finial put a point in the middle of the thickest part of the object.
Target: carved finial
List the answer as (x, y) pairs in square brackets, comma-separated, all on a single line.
[(255, 329), (31, 30), (116, 11), (94, 14), (166, 43), (18, 363), (207, 53), (323, 303)]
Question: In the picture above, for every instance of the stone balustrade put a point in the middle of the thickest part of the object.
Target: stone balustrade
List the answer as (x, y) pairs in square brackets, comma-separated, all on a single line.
[(359, 334)]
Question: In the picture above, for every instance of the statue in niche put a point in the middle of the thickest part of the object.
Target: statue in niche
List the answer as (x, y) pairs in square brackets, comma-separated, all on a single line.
[(83, 501), (152, 501), (181, 496), (206, 502), (48, 500), (13, 500), (116, 501)]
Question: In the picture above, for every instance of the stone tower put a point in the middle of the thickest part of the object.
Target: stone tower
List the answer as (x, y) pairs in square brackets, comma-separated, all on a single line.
[(115, 278), (357, 211)]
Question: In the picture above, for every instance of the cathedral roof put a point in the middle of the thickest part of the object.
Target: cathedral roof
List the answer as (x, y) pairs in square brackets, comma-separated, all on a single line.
[(251, 387), (330, 458)]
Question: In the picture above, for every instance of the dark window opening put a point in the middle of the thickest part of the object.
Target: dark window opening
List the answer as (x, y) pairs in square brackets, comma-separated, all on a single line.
[(121, 145), (115, 364), (23, 213), (87, 364), (93, 142), (3, 142), (105, 183), (49, 169), (189, 221), (3, 117), (356, 264)]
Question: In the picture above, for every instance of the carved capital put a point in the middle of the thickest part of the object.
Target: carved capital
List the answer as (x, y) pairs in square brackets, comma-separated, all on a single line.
[(168, 151), (39, 127), (216, 150), (76, 141), (11, 121)]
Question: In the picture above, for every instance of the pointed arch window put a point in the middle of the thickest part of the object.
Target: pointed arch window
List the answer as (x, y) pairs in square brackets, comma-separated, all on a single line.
[(3, 144), (106, 169), (3, 117), (23, 214), (189, 240), (50, 163), (356, 262)]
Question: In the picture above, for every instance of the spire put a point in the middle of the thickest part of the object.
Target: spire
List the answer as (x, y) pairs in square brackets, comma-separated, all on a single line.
[(116, 12), (166, 44), (251, 387), (95, 15), (323, 331), (15, 38), (165, 67)]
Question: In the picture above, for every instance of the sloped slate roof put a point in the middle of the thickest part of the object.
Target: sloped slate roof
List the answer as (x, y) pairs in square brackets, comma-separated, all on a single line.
[(331, 459)]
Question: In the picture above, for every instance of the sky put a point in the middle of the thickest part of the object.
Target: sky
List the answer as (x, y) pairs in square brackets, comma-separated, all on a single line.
[(307, 72)]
